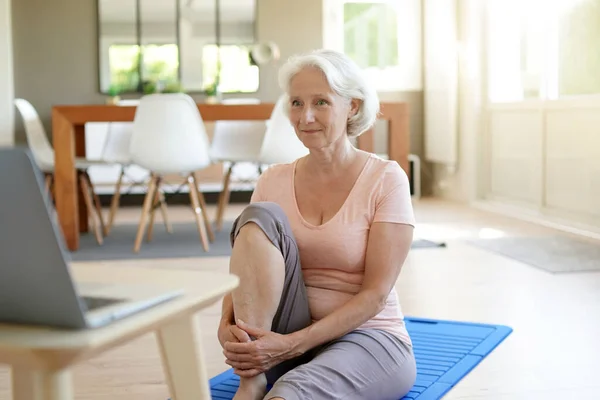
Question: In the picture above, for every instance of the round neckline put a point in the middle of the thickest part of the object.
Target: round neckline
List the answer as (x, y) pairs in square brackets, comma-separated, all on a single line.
[(339, 211)]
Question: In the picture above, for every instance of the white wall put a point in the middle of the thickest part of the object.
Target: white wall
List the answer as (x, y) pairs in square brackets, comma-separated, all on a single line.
[(544, 161), (6, 76), (516, 141), (296, 27)]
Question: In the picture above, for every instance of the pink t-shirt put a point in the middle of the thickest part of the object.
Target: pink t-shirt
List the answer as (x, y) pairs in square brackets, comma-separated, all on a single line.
[(332, 255)]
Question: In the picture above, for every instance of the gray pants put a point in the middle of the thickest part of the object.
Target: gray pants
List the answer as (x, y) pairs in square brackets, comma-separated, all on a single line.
[(364, 364)]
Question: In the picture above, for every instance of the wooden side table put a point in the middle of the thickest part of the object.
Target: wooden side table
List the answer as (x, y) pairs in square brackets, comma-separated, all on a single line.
[(41, 358)]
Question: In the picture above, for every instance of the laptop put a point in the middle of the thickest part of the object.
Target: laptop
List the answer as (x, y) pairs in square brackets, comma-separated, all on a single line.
[(36, 287)]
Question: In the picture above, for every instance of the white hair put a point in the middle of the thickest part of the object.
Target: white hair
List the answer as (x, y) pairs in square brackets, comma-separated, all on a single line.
[(344, 77)]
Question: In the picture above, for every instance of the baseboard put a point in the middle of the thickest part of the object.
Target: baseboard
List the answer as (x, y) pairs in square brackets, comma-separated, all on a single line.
[(137, 199), (537, 218)]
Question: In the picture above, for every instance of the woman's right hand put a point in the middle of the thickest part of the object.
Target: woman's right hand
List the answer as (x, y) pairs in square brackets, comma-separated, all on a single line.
[(229, 332)]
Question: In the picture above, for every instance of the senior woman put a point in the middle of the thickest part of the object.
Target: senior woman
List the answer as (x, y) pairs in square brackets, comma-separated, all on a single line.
[(318, 252)]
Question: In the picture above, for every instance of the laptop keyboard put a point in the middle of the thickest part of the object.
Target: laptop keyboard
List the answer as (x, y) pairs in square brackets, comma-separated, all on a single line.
[(92, 303)]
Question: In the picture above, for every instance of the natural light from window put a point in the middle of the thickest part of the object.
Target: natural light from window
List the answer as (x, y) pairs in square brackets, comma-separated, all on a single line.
[(543, 49), (382, 36), (237, 72), (159, 67)]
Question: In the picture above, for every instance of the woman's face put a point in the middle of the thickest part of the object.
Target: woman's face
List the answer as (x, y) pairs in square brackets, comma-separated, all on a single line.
[(318, 115)]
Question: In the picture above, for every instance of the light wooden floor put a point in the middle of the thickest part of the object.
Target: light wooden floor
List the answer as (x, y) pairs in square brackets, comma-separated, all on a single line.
[(553, 353)]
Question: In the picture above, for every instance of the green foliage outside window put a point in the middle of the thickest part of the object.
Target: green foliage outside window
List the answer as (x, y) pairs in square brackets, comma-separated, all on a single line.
[(579, 49), (160, 63), (375, 24), (159, 68)]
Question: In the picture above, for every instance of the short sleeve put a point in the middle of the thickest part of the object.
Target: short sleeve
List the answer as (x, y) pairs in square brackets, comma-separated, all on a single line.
[(259, 189), (264, 184), (394, 203)]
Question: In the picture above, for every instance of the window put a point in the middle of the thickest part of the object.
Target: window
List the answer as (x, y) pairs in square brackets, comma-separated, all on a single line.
[(161, 64), (123, 63), (371, 34), (543, 50), (237, 73), (578, 51), (382, 36), (159, 67)]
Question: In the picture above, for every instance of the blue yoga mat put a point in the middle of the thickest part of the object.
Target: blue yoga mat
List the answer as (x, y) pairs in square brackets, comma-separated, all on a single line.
[(445, 351)]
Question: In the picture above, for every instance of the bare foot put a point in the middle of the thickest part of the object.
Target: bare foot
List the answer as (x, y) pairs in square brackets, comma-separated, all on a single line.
[(252, 388)]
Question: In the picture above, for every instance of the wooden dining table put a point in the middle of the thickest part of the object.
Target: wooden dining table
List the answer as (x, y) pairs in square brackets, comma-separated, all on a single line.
[(68, 134)]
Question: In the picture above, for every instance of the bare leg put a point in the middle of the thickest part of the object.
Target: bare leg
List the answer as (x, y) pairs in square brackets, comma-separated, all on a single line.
[(261, 269)]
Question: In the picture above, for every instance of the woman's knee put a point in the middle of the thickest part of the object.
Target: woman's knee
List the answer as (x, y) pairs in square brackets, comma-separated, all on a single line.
[(268, 217), (265, 211)]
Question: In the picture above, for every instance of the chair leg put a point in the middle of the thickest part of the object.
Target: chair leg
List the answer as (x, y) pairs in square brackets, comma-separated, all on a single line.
[(85, 189), (198, 211), (223, 198), (152, 187), (155, 202), (202, 201), (47, 182), (49, 185), (114, 204), (98, 206), (163, 210)]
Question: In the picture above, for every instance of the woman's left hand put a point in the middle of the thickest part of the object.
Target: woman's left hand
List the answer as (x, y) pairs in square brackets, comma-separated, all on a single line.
[(255, 357)]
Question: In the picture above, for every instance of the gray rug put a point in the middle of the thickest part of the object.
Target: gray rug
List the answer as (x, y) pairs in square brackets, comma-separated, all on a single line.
[(554, 254), (184, 242)]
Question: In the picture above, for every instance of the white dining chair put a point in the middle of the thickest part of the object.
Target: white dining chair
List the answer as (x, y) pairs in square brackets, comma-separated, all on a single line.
[(118, 136), (169, 137), (116, 150), (235, 142), (43, 154), (281, 144)]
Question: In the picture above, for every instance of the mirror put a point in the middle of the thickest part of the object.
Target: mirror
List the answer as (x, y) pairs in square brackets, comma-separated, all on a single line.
[(148, 46)]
